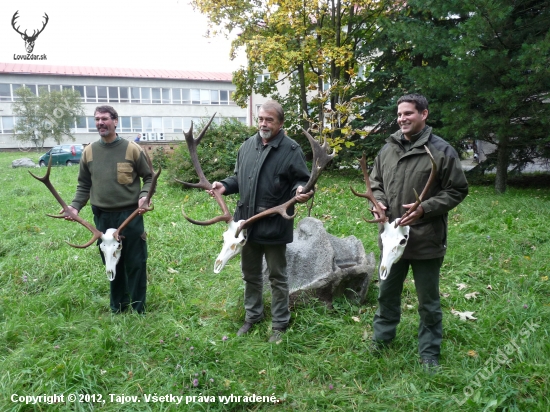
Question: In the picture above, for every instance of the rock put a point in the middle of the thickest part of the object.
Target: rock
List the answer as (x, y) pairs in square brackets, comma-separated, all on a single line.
[(23, 162), (324, 266)]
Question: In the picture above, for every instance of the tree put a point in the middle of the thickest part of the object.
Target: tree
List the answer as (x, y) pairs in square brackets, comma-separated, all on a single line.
[(308, 43), (50, 114), (484, 65)]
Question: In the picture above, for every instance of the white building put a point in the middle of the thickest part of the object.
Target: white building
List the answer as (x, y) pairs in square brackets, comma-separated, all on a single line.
[(158, 104)]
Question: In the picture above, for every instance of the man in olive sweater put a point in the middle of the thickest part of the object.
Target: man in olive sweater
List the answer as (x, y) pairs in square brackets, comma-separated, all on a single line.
[(109, 176)]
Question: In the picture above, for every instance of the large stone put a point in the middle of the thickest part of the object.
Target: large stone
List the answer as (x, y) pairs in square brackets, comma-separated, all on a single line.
[(324, 266), (23, 162)]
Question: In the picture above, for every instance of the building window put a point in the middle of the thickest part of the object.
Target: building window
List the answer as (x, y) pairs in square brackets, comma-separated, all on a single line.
[(146, 95), (136, 124), (81, 125), (32, 88), (7, 124), (166, 96), (205, 96), (176, 96), (125, 124), (91, 124), (113, 95), (262, 78), (123, 95), (135, 95), (186, 96), (224, 97), (147, 124), (79, 89), (167, 125), (195, 96), (5, 92), (43, 89), (156, 95), (178, 125), (57, 87), (102, 94), (91, 96), (214, 97), (14, 88)]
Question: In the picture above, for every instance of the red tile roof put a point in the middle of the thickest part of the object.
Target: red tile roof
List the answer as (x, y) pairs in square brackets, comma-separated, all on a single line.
[(21, 68)]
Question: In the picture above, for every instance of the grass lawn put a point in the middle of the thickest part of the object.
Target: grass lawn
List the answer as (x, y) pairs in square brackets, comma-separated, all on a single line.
[(57, 336)]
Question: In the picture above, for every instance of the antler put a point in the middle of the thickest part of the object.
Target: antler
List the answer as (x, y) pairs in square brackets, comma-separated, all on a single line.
[(369, 195), (321, 158), (192, 144), (15, 16), (147, 208), (66, 211), (377, 209)]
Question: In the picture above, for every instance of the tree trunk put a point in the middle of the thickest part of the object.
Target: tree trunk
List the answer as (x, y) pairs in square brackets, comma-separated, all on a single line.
[(502, 166), (303, 96)]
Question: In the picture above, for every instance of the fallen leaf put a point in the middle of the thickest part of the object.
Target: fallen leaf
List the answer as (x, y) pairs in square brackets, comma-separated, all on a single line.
[(461, 286), (472, 353), (409, 306), (170, 270), (445, 295), (463, 315), (471, 295), (262, 372), (173, 223), (489, 287), (355, 318)]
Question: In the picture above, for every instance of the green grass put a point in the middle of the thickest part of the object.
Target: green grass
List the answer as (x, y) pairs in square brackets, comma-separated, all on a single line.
[(57, 335)]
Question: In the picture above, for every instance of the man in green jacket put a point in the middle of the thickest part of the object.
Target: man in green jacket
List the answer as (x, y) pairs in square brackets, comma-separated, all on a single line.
[(109, 176), (401, 165), (270, 170)]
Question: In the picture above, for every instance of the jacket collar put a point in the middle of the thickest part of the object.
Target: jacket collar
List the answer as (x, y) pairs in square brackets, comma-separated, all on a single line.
[(274, 142), (421, 141)]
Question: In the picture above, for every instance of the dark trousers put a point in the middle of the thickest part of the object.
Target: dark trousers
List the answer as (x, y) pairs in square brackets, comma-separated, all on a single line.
[(251, 265), (388, 315), (130, 284)]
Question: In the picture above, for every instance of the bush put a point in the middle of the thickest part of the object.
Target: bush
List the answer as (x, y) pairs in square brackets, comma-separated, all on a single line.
[(217, 152)]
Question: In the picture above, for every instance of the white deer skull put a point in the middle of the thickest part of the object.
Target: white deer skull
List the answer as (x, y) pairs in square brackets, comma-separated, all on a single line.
[(112, 249), (232, 245), (394, 239)]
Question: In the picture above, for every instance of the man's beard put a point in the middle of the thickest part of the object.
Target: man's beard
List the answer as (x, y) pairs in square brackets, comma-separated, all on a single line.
[(265, 134)]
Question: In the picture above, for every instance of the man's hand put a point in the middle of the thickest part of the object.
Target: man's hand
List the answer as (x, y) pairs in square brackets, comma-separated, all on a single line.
[(216, 187), (71, 210), (414, 216), (302, 197), (142, 205), (383, 208)]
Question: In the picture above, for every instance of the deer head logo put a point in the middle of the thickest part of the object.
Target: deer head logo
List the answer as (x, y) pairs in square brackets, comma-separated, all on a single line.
[(29, 40)]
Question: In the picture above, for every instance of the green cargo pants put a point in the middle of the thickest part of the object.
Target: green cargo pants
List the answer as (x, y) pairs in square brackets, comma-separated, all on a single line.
[(388, 315), (251, 265), (130, 284)]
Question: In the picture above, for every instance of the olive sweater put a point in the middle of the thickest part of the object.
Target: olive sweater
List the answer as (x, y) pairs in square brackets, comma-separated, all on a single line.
[(110, 175)]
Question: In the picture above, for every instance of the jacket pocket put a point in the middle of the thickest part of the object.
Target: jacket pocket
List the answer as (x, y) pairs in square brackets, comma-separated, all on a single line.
[(124, 172)]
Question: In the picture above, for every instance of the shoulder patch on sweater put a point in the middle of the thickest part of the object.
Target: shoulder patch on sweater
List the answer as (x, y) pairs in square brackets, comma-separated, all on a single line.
[(87, 154), (133, 151)]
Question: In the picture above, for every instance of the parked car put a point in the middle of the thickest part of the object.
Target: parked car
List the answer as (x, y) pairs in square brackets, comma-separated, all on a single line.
[(65, 154)]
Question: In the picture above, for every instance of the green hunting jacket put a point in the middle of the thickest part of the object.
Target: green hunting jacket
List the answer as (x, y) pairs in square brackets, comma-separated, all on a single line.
[(397, 171), (267, 176)]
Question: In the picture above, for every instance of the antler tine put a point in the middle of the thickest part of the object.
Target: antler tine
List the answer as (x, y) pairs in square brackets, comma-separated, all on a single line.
[(66, 212), (369, 195), (429, 183), (320, 160), (147, 208), (192, 144)]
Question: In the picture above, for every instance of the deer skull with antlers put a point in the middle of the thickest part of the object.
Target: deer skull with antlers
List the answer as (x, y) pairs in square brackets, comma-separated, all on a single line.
[(394, 237), (111, 244), (235, 235)]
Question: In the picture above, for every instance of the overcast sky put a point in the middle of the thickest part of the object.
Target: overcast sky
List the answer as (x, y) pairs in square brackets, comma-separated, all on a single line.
[(161, 34)]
